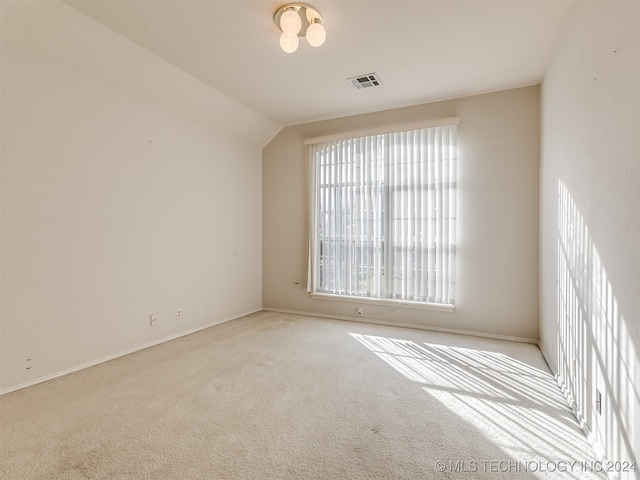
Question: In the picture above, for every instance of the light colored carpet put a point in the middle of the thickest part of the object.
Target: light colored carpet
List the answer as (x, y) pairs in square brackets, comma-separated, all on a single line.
[(274, 396)]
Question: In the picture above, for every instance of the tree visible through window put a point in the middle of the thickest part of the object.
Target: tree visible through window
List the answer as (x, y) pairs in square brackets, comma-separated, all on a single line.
[(384, 216)]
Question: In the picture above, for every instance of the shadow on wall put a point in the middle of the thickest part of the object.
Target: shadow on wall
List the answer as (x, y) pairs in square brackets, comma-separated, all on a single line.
[(508, 412), (595, 349)]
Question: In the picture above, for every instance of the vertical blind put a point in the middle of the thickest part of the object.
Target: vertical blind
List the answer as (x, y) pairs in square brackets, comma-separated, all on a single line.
[(383, 216)]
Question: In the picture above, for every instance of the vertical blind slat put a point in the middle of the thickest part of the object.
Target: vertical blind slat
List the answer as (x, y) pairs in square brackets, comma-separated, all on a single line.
[(439, 213)]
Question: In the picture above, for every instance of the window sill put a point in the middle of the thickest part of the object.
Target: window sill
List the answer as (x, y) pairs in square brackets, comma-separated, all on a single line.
[(440, 307)]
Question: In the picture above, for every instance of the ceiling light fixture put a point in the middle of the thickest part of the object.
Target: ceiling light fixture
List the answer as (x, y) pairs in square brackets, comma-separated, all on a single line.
[(299, 20)]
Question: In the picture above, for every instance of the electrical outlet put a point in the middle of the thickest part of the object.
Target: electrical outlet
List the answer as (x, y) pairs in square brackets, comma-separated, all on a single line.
[(179, 313), (360, 311), (153, 319)]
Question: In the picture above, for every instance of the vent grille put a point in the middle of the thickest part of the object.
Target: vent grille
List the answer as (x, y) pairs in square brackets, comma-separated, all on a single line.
[(365, 81)]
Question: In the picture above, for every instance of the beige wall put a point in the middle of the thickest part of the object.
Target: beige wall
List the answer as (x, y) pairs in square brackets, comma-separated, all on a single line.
[(590, 231), (497, 252), (114, 207)]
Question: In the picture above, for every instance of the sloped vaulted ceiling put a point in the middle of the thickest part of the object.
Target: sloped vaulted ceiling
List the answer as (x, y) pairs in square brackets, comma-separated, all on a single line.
[(57, 32), (422, 50)]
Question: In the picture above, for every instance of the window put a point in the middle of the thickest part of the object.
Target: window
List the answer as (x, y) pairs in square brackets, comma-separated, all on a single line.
[(383, 216)]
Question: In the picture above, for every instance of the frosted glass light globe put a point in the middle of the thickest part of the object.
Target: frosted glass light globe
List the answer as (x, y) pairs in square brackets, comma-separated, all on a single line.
[(316, 34), (290, 22), (289, 42)]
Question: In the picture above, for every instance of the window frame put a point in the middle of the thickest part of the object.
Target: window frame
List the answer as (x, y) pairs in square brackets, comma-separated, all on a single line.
[(314, 189)]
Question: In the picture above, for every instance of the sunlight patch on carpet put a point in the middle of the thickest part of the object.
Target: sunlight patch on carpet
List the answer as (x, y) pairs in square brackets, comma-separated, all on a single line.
[(516, 406)]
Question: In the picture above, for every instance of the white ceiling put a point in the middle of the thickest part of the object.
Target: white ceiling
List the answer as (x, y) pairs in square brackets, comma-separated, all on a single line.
[(422, 50)]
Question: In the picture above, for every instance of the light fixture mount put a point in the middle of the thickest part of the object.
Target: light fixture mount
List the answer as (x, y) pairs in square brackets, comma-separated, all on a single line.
[(309, 25)]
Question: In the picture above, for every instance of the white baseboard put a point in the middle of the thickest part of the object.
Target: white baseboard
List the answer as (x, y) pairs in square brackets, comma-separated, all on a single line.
[(107, 358), (405, 325), (593, 440)]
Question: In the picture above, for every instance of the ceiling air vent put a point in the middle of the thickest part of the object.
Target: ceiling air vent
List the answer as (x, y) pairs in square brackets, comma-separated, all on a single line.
[(365, 81)]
